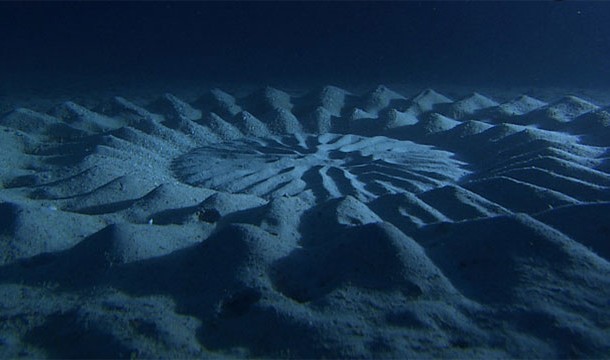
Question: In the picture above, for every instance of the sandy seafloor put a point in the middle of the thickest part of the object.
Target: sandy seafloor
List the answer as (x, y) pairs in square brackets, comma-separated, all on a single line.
[(340, 222)]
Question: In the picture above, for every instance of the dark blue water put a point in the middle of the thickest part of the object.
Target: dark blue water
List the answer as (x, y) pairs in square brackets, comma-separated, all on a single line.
[(493, 43)]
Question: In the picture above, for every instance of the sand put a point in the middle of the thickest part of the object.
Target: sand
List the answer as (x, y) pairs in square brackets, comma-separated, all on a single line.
[(330, 222)]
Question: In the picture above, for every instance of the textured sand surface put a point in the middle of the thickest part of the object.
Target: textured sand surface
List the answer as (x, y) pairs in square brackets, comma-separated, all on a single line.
[(327, 223)]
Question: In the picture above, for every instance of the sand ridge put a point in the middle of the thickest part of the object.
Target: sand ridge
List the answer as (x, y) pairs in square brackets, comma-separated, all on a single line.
[(329, 223)]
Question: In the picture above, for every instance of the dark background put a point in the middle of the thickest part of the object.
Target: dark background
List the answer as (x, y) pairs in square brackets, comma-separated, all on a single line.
[(564, 43)]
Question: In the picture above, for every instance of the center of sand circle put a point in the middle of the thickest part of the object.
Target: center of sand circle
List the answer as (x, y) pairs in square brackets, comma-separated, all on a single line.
[(329, 165)]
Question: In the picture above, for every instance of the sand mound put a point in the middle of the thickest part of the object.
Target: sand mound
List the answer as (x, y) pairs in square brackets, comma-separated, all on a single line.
[(328, 223)]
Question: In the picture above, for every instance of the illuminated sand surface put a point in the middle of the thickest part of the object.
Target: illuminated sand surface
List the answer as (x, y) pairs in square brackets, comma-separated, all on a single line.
[(321, 224)]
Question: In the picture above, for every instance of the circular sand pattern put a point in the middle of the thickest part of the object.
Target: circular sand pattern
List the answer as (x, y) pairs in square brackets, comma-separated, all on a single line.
[(168, 228), (328, 166)]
